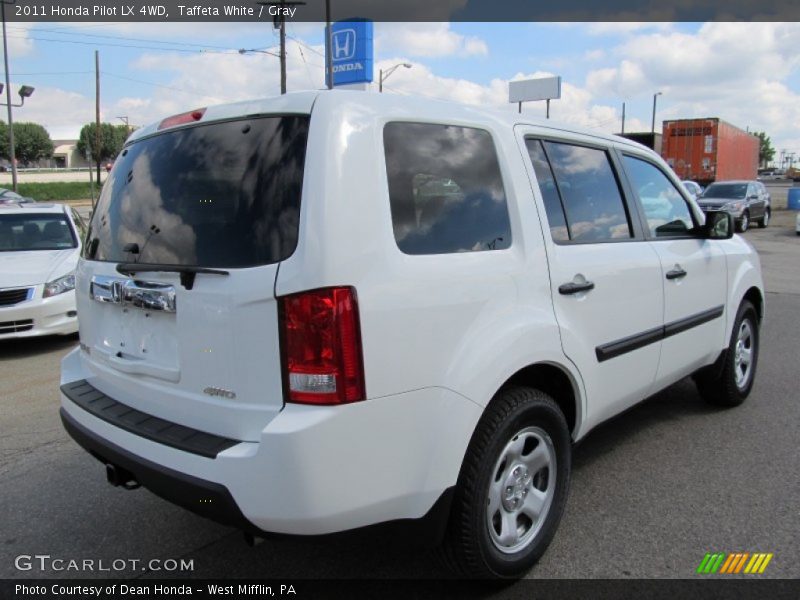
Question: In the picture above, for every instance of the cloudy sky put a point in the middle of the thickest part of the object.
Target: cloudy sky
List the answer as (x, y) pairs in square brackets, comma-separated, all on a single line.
[(746, 73)]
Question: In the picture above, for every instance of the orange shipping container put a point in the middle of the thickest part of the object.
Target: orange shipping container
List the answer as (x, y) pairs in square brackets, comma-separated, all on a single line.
[(706, 150)]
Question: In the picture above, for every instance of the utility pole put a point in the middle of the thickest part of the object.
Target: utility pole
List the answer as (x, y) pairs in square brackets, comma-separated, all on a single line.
[(282, 23), (97, 138), (328, 43), (655, 97), (623, 119), (11, 148)]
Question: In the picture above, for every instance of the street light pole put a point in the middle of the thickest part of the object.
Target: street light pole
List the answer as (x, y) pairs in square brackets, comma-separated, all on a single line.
[(655, 97), (11, 149), (384, 75)]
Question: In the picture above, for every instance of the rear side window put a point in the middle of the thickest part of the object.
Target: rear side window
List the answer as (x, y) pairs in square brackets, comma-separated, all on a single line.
[(593, 208), (445, 189), (550, 195), (222, 194)]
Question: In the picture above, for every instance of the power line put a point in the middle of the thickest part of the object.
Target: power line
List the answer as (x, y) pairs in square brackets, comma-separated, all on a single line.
[(118, 37), (159, 85), (162, 49)]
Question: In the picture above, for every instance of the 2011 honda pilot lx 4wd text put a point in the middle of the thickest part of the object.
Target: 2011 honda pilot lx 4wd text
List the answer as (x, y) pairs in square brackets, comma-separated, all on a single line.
[(330, 310)]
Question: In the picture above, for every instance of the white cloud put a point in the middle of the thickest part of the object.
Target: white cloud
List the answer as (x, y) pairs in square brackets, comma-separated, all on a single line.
[(73, 111), (736, 71), (575, 106), (624, 27), (426, 40), (19, 40)]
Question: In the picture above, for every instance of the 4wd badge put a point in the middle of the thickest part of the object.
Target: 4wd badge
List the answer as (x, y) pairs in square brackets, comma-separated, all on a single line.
[(215, 391)]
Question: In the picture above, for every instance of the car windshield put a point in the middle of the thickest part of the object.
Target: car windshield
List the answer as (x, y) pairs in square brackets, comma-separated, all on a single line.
[(223, 194), (35, 232), (725, 190)]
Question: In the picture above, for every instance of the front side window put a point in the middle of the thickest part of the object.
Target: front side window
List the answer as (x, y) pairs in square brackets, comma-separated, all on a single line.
[(590, 193), (666, 211), (445, 189), (20, 232), (221, 194)]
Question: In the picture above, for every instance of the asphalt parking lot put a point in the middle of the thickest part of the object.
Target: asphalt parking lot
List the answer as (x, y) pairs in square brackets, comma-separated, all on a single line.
[(652, 491)]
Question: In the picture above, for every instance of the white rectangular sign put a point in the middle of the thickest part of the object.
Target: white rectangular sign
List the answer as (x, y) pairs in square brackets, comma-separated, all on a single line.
[(544, 88)]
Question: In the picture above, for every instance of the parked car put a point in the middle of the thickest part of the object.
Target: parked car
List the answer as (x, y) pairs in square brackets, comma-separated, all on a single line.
[(12, 197), (747, 201), (694, 188), (39, 249), (333, 310)]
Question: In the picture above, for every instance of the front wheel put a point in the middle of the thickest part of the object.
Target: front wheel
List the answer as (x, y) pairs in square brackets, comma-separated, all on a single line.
[(731, 385), (512, 487), (744, 222), (764, 222)]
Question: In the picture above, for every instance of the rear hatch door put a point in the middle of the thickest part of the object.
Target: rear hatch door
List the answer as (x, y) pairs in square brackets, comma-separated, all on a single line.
[(176, 288)]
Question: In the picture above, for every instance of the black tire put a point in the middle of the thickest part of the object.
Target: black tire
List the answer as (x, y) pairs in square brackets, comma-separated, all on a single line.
[(764, 221), (719, 386), (744, 223), (468, 548)]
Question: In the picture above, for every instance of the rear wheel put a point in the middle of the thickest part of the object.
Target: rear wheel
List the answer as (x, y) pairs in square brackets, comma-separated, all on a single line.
[(512, 487), (764, 222), (744, 222), (731, 384)]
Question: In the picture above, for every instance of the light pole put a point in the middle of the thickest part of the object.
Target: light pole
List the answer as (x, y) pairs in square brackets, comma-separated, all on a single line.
[(24, 92), (384, 75), (280, 56), (655, 98)]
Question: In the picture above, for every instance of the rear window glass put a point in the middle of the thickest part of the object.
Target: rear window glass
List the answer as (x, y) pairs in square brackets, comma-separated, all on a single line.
[(35, 232), (445, 189), (225, 194)]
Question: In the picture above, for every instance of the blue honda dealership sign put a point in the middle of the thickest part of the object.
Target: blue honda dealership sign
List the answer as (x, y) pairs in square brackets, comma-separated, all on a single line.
[(351, 46)]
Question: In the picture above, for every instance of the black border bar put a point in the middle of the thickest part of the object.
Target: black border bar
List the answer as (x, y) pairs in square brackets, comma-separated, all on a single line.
[(409, 11), (639, 340)]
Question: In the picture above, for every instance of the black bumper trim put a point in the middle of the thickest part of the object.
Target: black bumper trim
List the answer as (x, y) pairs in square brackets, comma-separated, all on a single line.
[(147, 426), (205, 498)]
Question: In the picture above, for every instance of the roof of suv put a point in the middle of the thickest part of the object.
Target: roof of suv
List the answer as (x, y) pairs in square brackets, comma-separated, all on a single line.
[(303, 102)]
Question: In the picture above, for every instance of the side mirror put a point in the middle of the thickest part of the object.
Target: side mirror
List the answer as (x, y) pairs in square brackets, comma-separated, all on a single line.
[(719, 226)]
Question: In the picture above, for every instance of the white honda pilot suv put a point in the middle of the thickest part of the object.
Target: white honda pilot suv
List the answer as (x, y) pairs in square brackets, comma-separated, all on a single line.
[(337, 309)]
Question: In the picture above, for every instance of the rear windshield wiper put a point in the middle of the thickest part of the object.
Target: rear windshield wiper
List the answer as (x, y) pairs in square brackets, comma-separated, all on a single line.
[(187, 273)]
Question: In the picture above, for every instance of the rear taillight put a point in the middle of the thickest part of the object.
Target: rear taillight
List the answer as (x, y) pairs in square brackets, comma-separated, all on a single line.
[(183, 118), (322, 346)]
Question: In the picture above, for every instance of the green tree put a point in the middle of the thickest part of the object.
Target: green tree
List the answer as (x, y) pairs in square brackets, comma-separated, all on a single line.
[(112, 137), (765, 152), (31, 142), (4, 153)]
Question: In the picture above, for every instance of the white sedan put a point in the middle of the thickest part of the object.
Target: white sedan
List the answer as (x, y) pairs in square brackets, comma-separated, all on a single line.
[(39, 249)]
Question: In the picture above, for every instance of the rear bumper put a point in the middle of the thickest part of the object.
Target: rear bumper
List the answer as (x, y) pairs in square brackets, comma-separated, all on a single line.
[(40, 316), (315, 471), (205, 498)]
